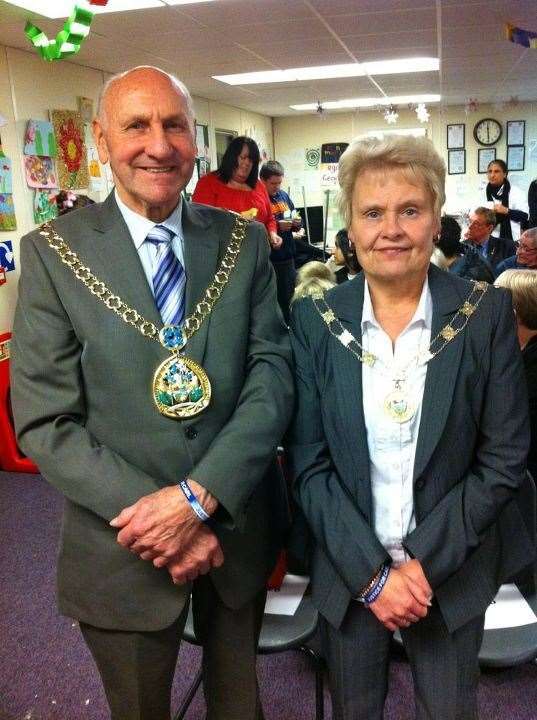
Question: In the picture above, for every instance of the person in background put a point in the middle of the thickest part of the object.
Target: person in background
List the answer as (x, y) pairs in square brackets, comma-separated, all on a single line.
[(461, 259), (526, 254), (235, 186), (67, 201), (507, 201), (532, 204), (171, 490), (283, 209), (523, 287), (408, 444), (345, 255), (479, 237), (313, 278)]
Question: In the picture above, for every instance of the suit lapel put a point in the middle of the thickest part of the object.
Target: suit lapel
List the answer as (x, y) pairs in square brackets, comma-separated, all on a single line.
[(116, 262), (346, 301), (442, 370), (201, 250)]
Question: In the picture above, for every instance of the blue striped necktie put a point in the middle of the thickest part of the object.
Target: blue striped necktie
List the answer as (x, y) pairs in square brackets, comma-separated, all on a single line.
[(169, 277)]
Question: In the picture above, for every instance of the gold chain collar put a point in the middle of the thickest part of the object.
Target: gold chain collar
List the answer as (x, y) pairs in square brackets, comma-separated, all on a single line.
[(129, 315), (450, 331)]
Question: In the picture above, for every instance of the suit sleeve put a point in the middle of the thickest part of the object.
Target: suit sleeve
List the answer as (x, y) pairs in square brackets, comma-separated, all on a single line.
[(335, 520), (49, 402), (451, 531), (240, 454)]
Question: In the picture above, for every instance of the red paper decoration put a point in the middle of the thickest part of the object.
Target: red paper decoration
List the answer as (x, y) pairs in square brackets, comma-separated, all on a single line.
[(3, 278), (98, 2)]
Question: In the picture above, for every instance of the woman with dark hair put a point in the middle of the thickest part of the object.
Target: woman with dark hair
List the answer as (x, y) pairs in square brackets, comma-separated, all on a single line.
[(345, 254), (507, 201), (235, 186)]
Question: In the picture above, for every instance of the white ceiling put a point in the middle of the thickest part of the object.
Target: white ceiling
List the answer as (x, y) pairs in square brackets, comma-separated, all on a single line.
[(230, 36)]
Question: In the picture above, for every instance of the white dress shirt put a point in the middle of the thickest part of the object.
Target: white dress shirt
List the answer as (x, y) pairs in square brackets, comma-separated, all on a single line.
[(392, 445), (139, 226)]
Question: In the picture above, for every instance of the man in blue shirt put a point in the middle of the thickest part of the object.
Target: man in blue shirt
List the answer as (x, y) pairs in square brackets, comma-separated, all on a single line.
[(478, 236), (282, 258)]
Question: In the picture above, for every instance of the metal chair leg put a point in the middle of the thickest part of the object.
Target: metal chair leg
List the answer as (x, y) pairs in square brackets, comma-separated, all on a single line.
[(319, 682), (183, 709)]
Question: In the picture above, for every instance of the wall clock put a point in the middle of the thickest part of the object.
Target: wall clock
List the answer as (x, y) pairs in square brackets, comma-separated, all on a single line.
[(487, 131)]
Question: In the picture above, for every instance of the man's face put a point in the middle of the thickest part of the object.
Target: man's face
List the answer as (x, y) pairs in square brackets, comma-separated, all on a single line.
[(526, 253), (273, 184), (146, 133), (478, 231)]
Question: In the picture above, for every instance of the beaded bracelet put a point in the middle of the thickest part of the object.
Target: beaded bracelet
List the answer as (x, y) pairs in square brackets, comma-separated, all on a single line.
[(375, 592), (194, 502), (370, 585)]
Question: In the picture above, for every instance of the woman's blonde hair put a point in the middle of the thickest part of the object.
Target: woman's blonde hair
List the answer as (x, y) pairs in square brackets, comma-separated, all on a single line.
[(523, 286), (313, 278), (415, 157)]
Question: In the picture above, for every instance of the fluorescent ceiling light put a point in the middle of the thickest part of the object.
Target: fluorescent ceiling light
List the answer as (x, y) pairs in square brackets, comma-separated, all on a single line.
[(369, 102), (185, 2), (63, 8), (324, 72)]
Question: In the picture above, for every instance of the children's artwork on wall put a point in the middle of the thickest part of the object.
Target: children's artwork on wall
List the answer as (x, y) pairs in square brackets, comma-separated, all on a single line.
[(7, 213), (72, 158), (7, 258), (6, 174), (45, 207), (40, 172), (3, 281), (96, 177), (39, 139)]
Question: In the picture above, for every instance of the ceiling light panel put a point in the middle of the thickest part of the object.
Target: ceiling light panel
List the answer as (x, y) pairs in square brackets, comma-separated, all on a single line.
[(369, 102), (325, 72), (63, 8)]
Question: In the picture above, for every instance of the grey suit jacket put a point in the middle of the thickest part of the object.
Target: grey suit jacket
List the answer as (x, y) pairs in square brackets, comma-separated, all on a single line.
[(81, 381), (469, 465)]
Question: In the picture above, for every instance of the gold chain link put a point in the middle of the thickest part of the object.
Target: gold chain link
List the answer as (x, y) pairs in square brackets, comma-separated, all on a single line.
[(130, 315), (450, 331)]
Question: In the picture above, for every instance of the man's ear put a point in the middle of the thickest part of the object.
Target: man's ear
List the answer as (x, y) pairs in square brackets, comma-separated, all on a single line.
[(100, 141)]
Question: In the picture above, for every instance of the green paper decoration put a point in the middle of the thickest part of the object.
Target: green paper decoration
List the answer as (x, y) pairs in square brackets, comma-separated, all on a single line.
[(67, 41)]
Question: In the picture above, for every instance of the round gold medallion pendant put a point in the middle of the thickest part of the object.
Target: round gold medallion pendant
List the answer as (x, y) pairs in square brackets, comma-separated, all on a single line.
[(181, 388), (398, 406)]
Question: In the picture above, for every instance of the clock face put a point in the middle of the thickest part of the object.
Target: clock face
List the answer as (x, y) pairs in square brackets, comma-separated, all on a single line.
[(487, 131)]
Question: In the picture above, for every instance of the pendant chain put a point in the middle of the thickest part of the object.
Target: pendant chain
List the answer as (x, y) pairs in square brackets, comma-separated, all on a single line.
[(455, 326), (131, 316)]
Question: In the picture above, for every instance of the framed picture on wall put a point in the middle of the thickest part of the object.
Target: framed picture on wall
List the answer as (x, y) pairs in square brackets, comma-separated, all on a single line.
[(484, 157), (456, 162), (455, 136), (515, 157), (516, 131)]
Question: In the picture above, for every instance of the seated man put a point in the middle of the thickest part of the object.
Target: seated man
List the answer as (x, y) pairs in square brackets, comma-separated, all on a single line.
[(462, 259), (478, 235), (526, 254)]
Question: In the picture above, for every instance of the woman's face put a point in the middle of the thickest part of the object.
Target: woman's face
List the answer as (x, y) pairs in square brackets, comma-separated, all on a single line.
[(393, 225), (338, 256), (496, 175), (244, 166)]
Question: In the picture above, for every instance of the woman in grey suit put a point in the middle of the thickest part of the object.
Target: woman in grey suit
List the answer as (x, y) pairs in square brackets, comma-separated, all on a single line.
[(408, 453)]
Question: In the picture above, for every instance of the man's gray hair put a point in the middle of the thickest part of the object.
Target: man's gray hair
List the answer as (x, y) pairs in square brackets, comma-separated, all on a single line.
[(179, 86)]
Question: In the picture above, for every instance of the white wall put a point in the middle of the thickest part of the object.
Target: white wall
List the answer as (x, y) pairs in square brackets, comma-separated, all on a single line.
[(30, 87), (293, 135)]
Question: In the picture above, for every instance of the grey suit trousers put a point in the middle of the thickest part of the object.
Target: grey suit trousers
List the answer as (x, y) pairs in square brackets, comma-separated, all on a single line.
[(444, 666), (137, 668)]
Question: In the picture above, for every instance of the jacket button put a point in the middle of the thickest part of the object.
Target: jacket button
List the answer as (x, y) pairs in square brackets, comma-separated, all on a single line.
[(191, 432), (420, 484)]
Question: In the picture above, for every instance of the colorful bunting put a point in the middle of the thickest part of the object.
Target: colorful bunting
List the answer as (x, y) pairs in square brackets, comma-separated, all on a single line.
[(67, 41), (521, 37)]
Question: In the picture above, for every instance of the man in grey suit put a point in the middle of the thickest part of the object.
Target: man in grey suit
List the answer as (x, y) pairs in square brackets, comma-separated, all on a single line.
[(88, 346)]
